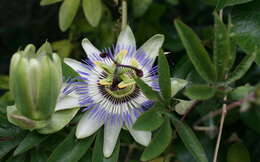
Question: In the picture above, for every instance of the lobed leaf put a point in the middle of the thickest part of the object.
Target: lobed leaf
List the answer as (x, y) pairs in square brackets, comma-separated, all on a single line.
[(140, 7), (196, 52), (246, 27), (31, 140), (97, 155), (149, 120), (242, 68), (93, 11), (147, 90), (189, 139), (222, 48), (238, 152), (224, 3), (164, 77), (200, 92), (8, 145), (159, 143), (182, 68), (67, 13), (71, 149)]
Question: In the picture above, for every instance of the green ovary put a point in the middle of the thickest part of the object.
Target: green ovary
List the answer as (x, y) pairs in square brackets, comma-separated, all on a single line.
[(125, 83)]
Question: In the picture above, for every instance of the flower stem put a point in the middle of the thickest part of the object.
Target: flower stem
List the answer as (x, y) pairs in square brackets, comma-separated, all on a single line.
[(124, 14), (222, 120)]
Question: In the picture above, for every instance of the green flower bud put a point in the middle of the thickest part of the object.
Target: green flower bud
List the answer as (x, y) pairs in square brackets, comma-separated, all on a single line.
[(35, 81)]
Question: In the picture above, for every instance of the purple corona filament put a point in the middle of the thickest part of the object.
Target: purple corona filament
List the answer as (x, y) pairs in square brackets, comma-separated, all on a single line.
[(99, 99)]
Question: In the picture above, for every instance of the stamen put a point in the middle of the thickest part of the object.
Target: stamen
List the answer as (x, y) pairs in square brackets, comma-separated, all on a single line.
[(138, 72), (104, 55), (114, 85)]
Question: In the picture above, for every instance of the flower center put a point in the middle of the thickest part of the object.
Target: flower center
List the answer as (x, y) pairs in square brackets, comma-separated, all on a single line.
[(119, 90), (117, 80)]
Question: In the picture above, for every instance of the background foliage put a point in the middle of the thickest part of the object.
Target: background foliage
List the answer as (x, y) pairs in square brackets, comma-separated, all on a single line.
[(25, 21)]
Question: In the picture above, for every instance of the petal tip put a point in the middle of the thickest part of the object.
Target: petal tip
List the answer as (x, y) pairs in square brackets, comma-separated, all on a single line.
[(80, 134), (161, 37), (107, 153)]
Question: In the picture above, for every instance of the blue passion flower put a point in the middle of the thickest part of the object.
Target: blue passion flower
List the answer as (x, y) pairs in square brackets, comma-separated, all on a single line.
[(108, 91)]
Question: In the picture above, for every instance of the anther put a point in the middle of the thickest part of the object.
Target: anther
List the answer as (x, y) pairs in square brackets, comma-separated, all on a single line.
[(138, 72), (103, 54)]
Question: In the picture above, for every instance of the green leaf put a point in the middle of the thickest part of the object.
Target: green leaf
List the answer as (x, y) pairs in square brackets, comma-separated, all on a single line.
[(9, 130), (71, 149), (68, 72), (242, 68), (20, 158), (147, 90), (62, 47), (4, 82), (241, 92), (183, 106), (140, 7), (177, 85), (38, 156), (189, 139), (97, 155), (58, 120), (31, 140), (164, 77), (159, 143), (182, 68), (149, 120), (93, 11), (67, 13), (238, 152), (114, 156), (48, 2), (200, 92), (8, 145), (246, 26), (224, 3), (87, 157), (196, 52), (222, 48)]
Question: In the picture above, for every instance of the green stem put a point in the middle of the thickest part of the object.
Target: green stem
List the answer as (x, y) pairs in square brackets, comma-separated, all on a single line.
[(124, 14)]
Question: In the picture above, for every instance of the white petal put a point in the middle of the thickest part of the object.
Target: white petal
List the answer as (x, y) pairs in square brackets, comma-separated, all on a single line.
[(142, 137), (151, 47), (75, 65), (111, 134), (126, 38), (87, 126), (67, 102), (90, 49)]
